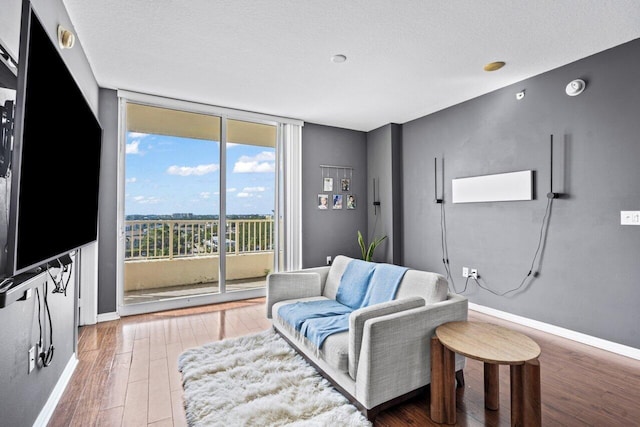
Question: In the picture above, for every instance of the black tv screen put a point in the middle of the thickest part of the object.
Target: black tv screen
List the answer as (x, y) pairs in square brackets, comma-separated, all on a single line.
[(55, 159)]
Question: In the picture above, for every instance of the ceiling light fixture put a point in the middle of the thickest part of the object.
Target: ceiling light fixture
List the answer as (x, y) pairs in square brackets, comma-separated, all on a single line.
[(493, 66), (338, 58), (66, 39)]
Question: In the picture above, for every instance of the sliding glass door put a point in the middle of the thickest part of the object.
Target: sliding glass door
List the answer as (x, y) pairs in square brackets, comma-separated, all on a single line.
[(199, 203), (250, 203)]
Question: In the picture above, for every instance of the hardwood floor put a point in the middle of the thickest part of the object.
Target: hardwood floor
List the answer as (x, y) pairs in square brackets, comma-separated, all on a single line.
[(127, 374)]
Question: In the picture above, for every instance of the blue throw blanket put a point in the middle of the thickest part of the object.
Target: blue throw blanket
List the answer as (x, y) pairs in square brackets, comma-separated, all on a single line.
[(362, 284), (318, 329), (384, 284), (297, 313), (354, 283)]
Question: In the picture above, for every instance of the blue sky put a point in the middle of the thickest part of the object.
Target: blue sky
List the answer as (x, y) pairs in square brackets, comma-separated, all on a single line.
[(166, 175)]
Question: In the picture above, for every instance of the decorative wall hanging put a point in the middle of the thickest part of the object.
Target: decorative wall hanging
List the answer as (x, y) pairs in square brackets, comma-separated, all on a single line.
[(351, 201), (323, 201), (337, 201), (342, 176)]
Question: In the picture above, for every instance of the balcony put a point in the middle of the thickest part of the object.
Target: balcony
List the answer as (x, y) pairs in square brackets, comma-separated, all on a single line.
[(179, 258)]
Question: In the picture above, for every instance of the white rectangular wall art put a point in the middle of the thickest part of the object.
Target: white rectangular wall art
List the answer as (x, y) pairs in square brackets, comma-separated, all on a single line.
[(499, 187)]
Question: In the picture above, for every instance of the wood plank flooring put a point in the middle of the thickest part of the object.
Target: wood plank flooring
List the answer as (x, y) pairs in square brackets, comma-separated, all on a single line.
[(127, 374)]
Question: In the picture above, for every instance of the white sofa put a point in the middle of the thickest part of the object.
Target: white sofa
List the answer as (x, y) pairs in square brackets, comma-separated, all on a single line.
[(384, 357)]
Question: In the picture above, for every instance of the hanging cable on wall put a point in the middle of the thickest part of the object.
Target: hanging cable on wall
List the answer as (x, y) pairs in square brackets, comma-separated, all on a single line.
[(541, 239), (45, 356), (542, 236), (443, 223), (64, 264)]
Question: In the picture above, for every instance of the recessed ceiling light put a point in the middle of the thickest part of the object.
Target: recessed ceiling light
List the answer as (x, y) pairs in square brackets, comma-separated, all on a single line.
[(493, 66), (338, 58)]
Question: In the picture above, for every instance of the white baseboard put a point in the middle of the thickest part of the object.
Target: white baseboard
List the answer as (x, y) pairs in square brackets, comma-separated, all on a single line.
[(106, 317), (613, 347), (56, 394)]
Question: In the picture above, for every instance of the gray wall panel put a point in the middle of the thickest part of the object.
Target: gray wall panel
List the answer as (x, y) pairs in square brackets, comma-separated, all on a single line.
[(331, 232), (23, 395), (107, 249), (384, 163), (587, 270)]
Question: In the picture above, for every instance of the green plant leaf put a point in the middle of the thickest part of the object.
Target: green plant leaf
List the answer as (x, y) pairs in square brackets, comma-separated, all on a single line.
[(367, 251)]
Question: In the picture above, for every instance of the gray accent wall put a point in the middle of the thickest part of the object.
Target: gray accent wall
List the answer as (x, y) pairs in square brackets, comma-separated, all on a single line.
[(23, 395), (384, 165), (587, 268), (332, 232), (107, 204)]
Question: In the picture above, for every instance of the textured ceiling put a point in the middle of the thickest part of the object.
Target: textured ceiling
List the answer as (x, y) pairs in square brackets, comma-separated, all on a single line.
[(406, 59)]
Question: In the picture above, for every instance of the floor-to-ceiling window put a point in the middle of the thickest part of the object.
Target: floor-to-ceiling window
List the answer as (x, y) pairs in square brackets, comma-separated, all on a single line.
[(201, 204)]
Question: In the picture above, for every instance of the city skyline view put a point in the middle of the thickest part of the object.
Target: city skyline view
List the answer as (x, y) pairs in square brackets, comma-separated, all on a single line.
[(167, 175)]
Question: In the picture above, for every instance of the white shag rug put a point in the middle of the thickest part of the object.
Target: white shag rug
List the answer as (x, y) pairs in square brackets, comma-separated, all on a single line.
[(259, 380)]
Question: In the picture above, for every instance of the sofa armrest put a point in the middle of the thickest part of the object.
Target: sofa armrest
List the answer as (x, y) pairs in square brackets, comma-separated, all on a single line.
[(395, 357), (291, 285), (358, 318)]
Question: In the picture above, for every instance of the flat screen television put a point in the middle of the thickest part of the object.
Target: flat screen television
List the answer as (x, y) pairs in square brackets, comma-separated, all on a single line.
[(55, 160)]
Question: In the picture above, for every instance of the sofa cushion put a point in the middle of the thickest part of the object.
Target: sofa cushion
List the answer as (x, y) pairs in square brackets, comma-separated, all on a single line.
[(335, 349), (431, 286), (335, 274)]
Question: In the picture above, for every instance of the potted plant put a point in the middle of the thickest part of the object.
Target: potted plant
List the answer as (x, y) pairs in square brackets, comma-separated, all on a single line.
[(367, 250)]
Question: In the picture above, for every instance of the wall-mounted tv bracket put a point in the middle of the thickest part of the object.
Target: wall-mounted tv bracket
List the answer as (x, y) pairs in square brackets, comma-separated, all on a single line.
[(8, 69), (20, 287), (551, 194), (6, 136), (435, 180)]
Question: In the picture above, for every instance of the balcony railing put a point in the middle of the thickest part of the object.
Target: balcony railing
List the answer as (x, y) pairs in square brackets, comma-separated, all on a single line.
[(169, 239)]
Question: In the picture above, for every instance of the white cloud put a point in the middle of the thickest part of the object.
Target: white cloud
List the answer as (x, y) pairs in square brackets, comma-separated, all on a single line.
[(253, 189), (137, 135), (132, 148), (192, 170), (251, 192), (268, 156), (262, 162), (132, 180), (231, 190), (144, 200), (205, 195)]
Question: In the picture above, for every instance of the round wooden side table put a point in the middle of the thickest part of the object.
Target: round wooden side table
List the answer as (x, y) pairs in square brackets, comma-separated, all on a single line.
[(493, 345)]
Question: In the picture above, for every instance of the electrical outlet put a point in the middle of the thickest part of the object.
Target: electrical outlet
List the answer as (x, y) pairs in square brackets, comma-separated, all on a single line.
[(474, 273), (32, 359), (465, 271), (328, 259)]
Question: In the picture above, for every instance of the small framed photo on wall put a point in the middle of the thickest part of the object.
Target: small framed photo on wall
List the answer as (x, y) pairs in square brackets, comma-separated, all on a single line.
[(345, 184), (351, 201), (323, 201), (337, 201), (327, 184)]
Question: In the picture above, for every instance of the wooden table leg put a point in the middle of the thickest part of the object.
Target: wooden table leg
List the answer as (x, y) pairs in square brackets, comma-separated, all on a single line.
[(526, 409), (443, 390), (491, 386), (517, 396), (437, 381), (449, 389), (532, 394)]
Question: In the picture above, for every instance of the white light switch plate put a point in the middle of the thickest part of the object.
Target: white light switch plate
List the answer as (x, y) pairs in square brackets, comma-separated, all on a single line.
[(630, 217)]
